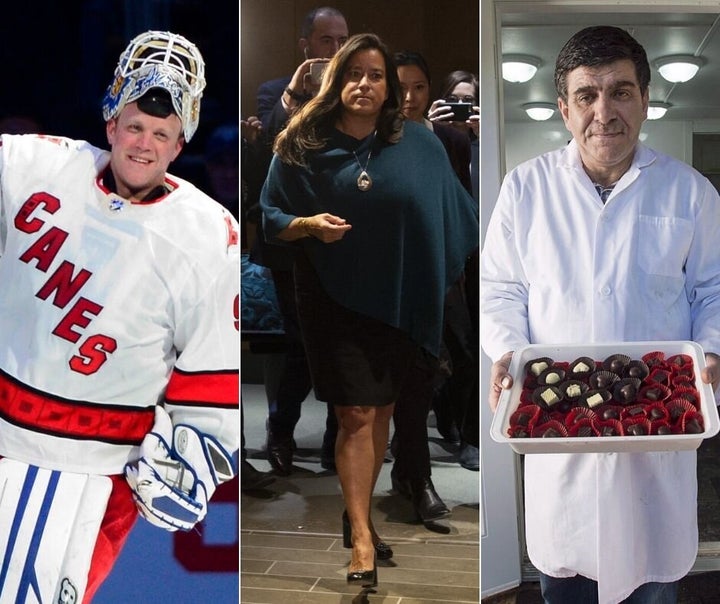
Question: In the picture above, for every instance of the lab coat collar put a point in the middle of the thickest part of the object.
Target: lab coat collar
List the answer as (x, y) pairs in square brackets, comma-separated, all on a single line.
[(570, 157), (644, 157)]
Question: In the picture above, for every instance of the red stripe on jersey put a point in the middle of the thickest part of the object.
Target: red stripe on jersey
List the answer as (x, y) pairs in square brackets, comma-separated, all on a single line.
[(233, 234), (40, 412), (207, 388)]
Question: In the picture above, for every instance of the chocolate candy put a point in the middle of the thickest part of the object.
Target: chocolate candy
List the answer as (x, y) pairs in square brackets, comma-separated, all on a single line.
[(616, 363), (547, 396), (610, 413), (551, 377), (693, 427), (581, 367), (636, 430), (656, 413), (615, 397), (535, 367), (625, 391), (602, 379)]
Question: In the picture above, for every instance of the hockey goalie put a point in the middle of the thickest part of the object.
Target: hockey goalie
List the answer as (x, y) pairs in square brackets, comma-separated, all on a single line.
[(118, 333)]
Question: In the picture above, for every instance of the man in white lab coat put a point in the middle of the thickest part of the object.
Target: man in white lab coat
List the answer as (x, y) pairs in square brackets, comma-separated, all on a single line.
[(605, 240)]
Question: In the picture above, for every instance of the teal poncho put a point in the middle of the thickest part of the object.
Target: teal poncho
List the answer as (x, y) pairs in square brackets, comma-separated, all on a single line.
[(411, 232)]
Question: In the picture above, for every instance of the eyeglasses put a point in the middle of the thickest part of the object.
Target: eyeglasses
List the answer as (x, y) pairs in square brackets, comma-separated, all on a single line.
[(460, 99)]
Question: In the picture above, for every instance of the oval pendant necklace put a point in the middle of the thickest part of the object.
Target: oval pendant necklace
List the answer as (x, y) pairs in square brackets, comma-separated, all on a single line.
[(364, 182)]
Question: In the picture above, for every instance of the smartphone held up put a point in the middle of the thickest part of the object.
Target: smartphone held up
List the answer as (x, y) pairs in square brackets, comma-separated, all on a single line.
[(461, 111), (316, 73)]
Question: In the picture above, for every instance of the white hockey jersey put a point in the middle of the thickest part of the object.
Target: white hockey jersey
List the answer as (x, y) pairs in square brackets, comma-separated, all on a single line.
[(108, 308)]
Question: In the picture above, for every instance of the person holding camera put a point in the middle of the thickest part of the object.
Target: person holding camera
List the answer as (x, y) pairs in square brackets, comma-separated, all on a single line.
[(383, 227), (323, 32), (458, 103), (287, 380), (459, 106), (454, 405), (415, 81), (411, 472)]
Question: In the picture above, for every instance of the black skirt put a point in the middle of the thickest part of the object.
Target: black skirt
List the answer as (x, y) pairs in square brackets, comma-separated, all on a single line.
[(354, 359)]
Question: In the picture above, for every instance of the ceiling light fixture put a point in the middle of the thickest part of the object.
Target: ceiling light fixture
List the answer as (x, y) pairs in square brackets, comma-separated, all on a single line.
[(657, 109), (539, 111), (519, 68), (678, 68)]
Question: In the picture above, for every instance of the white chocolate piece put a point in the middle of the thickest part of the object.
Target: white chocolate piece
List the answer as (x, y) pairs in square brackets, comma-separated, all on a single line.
[(573, 390), (552, 378), (595, 400), (538, 368), (581, 368), (549, 397)]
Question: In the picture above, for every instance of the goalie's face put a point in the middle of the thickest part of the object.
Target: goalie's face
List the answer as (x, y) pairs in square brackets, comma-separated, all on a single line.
[(142, 148)]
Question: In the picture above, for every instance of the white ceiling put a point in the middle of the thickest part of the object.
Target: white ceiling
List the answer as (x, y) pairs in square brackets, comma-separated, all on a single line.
[(543, 35)]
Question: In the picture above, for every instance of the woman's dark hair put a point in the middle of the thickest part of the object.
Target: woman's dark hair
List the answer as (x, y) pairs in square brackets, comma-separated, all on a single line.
[(600, 45), (408, 57), (309, 128), (460, 77)]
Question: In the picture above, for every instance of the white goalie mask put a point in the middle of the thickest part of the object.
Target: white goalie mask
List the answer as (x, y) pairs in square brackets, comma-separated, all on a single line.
[(159, 59)]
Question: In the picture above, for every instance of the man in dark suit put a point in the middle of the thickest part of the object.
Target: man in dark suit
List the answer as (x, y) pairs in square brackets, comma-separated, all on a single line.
[(287, 378), (323, 32)]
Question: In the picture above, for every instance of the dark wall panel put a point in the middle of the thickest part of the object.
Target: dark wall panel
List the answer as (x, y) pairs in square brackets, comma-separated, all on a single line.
[(446, 33)]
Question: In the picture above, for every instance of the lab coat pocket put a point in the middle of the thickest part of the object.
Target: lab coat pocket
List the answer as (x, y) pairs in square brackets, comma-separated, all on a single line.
[(663, 243), (662, 248)]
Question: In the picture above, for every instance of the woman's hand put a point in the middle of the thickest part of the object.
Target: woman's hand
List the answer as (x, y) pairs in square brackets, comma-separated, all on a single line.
[(326, 227), (439, 111), (474, 121)]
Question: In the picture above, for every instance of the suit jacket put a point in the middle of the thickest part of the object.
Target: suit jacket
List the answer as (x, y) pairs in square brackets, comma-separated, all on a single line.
[(457, 145), (274, 118), (269, 106)]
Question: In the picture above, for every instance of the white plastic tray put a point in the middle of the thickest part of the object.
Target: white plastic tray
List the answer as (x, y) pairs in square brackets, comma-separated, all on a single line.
[(510, 399)]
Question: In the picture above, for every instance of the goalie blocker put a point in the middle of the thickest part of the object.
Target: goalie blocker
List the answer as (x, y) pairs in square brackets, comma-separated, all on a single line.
[(172, 483)]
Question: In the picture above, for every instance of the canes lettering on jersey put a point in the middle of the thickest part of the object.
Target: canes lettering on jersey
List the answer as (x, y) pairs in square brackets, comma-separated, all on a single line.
[(64, 287)]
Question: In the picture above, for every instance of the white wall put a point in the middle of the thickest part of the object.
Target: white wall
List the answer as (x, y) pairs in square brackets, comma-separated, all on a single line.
[(500, 540)]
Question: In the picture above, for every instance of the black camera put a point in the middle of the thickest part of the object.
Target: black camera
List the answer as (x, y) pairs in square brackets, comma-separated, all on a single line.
[(461, 111)]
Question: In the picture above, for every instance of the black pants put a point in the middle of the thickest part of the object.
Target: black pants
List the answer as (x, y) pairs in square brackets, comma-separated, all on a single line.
[(410, 439), (287, 377), (461, 391), (243, 452)]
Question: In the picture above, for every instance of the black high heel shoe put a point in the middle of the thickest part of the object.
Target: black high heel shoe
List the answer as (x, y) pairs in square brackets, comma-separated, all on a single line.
[(382, 550), (366, 578)]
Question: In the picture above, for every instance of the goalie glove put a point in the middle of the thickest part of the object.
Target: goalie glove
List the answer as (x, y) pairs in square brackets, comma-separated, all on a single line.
[(205, 457), (171, 489)]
